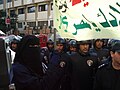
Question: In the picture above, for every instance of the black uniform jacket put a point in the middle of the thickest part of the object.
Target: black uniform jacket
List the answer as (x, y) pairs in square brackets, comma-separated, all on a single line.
[(82, 72), (101, 54), (107, 78), (64, 83)]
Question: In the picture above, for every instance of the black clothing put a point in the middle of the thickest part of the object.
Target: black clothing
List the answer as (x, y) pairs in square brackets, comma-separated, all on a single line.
[(70, 53), (46, 55), (27, 68), (101, 53), (64, 83), (26, 54), (25, 79), (107, 78), (83, 70)]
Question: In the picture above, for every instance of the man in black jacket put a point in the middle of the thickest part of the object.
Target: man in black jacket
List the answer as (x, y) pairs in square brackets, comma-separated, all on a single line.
[(83, 66), (60, 54), (108, 74), (101, 52)]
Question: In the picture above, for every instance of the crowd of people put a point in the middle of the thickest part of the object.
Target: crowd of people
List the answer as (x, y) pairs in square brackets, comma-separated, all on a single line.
[(70, 65)]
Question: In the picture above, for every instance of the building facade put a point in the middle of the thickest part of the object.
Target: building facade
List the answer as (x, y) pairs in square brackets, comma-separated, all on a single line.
[(36, 14)]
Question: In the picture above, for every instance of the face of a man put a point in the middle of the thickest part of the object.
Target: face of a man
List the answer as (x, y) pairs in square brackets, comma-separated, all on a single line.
[(59, 47), (73, 49), (84, 48), (50, 45), (14, 46), (116, 58), (99, 44)]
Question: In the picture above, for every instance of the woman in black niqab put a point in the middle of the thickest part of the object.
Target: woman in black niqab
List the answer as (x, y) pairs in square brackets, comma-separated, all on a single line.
[(28, 54)]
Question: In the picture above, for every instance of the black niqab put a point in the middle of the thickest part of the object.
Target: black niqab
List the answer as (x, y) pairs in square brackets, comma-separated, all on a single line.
[(29, 56)]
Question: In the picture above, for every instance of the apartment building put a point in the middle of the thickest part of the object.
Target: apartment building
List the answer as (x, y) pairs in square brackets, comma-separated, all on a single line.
[(36, 14)]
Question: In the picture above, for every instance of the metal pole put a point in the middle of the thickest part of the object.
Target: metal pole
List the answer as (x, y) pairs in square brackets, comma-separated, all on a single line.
[(6, 16), (4, 4), (6, 9), (48, 12), (54, 38)]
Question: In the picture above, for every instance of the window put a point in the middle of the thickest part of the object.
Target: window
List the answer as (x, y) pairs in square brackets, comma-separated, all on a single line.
[(51, 23), (9, 0), (2, 13), (43, 7), (31, 24), (12, 13), (20, 25), (21, 11), (31, 9), (1, 1), (42, 23), (51, 6)]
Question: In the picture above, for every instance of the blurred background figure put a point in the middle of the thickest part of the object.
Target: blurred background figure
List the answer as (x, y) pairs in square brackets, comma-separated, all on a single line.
[(14, 44), (72, 47), (17, 34), (50, 45), (105, 43), (13, 48), (47, 51), (111, 42), (101, 52)]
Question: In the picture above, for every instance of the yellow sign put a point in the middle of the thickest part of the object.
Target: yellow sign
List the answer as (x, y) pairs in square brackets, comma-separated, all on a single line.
[(87, 19)]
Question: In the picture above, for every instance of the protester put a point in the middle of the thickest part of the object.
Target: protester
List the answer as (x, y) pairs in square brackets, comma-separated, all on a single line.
[(27, 68), (108, 74)]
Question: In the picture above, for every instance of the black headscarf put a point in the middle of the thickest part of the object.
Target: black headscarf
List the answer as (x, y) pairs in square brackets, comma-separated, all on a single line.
[(29, 56)]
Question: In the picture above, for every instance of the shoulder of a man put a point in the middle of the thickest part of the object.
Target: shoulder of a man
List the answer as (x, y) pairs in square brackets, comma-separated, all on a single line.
[(93, 54), (104, 65)]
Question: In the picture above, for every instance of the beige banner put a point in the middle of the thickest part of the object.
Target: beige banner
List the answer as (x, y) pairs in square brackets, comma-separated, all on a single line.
[(87, 19)]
